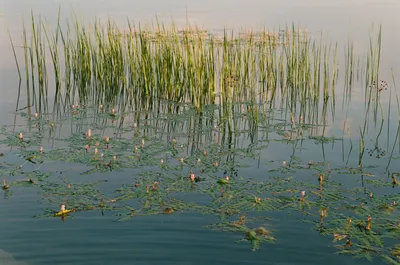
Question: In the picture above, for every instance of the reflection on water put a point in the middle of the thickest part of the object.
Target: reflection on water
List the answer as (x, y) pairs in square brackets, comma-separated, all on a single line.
[(127, 177), (167, 183)]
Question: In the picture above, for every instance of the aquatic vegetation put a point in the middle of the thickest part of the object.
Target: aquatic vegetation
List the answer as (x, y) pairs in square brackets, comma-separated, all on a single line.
[(165, 165), (255, 236), (100, 63), (234, 127), (62, 211)]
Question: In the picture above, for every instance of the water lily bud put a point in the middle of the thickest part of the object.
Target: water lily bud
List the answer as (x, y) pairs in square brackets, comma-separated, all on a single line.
[(4, 184), (192, 177), (394, 179), (155, 185), (320, 178)]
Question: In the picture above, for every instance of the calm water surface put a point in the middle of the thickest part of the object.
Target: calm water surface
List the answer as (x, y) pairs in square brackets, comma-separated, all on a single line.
[(94, 237)]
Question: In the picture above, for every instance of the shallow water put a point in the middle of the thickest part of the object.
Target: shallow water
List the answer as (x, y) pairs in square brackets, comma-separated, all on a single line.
[(98, 235), (103, 236)]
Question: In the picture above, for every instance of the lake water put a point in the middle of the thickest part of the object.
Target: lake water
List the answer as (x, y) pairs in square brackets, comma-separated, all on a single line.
[(122, 217)]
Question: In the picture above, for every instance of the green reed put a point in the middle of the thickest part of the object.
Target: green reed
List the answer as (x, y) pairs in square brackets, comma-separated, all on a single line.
[(349, 71), (128, 69), (26, 59), (101, 63), (372, 88)]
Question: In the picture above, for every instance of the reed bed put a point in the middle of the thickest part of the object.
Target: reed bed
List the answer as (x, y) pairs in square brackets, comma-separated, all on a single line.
[(102, 64), (250, 72)]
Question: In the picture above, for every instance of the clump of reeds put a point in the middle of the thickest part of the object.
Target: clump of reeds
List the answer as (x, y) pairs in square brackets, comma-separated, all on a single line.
[(103, 64)]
